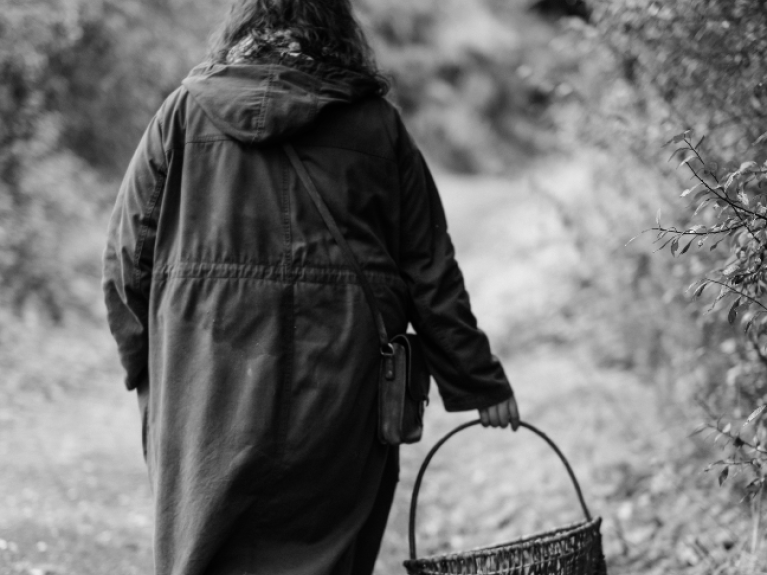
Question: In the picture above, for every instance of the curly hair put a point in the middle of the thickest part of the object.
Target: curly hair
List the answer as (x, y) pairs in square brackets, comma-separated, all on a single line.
[(326, 29)]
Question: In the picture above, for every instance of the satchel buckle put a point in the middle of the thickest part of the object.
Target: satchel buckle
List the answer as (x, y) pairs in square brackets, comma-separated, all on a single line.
[(387, 351)]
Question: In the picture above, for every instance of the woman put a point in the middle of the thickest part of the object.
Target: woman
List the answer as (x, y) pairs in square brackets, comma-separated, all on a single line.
[(242, 326)]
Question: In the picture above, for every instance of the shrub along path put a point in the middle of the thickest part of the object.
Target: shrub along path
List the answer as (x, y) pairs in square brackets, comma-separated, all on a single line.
[(74, 497)]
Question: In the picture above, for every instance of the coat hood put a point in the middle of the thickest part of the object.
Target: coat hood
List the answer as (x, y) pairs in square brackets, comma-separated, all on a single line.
[(256, 103)]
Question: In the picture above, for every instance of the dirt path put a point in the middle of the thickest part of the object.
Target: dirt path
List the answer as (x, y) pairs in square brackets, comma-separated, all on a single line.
[(488, 485), (74, 498)]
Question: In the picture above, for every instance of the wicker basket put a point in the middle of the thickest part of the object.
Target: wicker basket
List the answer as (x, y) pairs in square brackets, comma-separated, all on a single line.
[(571, 550)]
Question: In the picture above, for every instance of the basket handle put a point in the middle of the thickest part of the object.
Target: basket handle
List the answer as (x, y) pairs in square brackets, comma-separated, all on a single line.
[(425, 464)]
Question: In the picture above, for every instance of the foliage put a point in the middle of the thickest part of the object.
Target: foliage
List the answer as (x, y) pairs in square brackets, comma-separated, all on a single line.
[(697, 64), (706, 59), (730, 210), (713, 85), (76, 91), (32, 37), (471, 79)]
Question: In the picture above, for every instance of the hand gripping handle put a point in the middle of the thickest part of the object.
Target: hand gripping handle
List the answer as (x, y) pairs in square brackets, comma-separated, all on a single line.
[(425, 464)]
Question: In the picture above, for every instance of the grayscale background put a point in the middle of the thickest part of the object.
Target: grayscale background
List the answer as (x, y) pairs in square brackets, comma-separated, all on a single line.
[(544, 123)]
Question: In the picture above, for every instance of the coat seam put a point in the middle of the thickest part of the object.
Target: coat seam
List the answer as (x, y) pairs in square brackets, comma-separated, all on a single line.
[(322, 281), (268, 279), (386, 128), (363, 152), (401, 189), (262, 114), (288, 307), (383, 277), (287, 241), (204, 139), (212, 139), (144, 231), (150, 207)]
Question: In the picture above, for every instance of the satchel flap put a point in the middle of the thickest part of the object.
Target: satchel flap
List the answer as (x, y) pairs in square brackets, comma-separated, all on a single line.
[(391, 397), (419, 379)]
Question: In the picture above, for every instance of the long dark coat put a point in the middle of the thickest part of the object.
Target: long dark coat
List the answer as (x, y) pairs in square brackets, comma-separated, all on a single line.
[(245, 331)]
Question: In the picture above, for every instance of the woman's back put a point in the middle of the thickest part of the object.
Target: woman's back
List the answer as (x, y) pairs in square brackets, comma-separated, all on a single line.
[(262, 350), (245, 330), (236, 118)]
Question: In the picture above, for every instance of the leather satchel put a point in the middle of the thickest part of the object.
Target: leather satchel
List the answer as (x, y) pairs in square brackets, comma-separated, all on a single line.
[(403, 383), (403, 392)]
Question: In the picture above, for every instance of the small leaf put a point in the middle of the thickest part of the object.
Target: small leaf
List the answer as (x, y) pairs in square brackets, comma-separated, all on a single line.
[(674, 246), (687, 160), (657, 218), (692, 189), (699, 291), (687, 247), (678, 138), (701, 427), (667, 242), (675, 152), (703, 203), (723, 475), (733, 314), (722, 293), (743, 197), (756, 413), (701, 194)]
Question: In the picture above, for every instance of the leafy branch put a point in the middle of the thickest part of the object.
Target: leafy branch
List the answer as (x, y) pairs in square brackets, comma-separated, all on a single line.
[(734, 214)]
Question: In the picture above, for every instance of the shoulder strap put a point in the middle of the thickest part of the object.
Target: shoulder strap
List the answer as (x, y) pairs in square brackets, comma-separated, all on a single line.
[(330, 222)]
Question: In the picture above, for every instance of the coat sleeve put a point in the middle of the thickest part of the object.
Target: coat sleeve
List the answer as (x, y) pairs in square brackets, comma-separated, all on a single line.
[(458, 352), (129, 254)]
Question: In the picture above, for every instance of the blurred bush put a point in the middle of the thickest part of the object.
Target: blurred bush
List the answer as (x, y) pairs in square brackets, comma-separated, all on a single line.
[(706, 59), (77, 84), (646, 70), (649, 70), (697, 65), (79, 80), (474, 80)]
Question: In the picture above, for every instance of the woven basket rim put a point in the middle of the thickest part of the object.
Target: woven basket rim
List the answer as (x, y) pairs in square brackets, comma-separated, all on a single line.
[(427, 571), (525, 542)]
